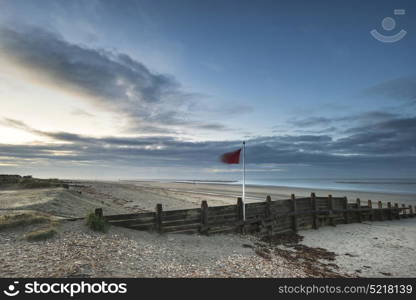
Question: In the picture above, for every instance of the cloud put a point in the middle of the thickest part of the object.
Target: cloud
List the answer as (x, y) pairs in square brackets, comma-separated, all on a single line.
[(110, 79), (403, 88), (384, 142), (365, 117)]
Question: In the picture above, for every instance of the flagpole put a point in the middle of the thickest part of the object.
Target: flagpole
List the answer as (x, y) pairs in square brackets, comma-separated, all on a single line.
[(244, 180)]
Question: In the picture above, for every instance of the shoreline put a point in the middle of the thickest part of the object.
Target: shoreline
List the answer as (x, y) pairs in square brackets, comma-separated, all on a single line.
[(259, 192), (282, 186)]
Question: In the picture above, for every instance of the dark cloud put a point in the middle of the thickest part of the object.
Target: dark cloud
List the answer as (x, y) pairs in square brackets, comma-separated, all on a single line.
[(393, 140), (403, 88), (151, 101)]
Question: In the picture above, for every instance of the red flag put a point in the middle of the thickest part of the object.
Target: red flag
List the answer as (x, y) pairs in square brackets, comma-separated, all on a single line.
[(231, 157)]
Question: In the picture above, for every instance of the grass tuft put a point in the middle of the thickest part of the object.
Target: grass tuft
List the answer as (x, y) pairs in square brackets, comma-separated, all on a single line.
[(22, 219), (40, 234), (97, 223)]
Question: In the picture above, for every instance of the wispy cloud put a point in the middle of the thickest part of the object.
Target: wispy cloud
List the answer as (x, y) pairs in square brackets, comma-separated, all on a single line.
[(403, 88), (150, 101)]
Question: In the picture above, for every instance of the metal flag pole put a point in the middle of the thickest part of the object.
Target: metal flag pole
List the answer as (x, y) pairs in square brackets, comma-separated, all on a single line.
[(244, 180)]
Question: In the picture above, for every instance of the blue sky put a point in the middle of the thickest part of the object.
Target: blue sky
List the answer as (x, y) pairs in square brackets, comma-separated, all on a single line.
[(133, 89)]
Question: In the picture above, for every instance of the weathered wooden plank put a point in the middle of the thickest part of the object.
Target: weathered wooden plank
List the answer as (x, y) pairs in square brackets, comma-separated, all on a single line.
[(224, 222), (396, 207), (185, 227), (370, 205), (315, 216), (380, 212), (181, 212), (181, 222), (214, 209), (404, 211), (390, 212), (130, 216), (220, 219), (254, 205), (294, 208), (267, 207), (240, 209), (284, 204), (132, 222), (159, 218), (331, 208), (345, 204), (359, 216), (226, 216)]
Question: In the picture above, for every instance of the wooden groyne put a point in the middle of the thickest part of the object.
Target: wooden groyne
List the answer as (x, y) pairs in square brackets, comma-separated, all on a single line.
[(268, 217)]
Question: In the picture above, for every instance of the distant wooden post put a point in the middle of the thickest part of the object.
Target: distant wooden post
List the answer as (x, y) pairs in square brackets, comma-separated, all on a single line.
[(268, 208), (99, 212), (294, 210), (371, 214), (404, 209), (390, 211), (359, 212), (331, 210), (314, 214), (204, 216), (159, 224), (380, 211), (346, 210), (411, 213), (396, 208)]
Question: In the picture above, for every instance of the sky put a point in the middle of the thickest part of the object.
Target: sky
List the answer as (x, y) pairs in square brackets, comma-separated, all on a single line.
[(105, 89)]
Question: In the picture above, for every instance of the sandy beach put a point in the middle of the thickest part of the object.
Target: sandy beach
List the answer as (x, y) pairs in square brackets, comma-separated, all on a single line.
[(370, 249)]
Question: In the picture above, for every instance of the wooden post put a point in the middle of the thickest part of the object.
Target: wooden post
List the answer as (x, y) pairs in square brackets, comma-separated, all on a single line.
[(404, 208), (380, 212), (331, 210), (396, 208), (346, 210), (240, 209), (411, 214), (268, 209), (390, 211), (295, 217), (204, 216), (159, 224), (99, 212), (371, 214), (240, 213), (314, 208), (359, 212)]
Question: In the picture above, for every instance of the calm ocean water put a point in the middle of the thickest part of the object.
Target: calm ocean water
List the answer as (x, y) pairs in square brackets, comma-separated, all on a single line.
[(401, 186), (385, 185)]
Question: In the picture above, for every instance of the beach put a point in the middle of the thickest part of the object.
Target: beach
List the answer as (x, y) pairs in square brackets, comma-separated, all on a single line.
[(369, 249)]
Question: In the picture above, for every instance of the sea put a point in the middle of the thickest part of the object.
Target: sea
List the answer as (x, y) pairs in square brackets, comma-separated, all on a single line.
[(382, 185)]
